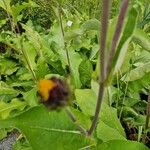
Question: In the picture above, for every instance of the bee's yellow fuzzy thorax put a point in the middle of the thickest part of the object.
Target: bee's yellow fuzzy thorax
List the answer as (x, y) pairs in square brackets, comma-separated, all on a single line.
[(44, 87)]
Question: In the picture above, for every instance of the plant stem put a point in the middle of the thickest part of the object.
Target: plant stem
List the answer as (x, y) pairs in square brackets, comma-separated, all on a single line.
[(73, 118), (63, 35), (117, 33), (105, 16)]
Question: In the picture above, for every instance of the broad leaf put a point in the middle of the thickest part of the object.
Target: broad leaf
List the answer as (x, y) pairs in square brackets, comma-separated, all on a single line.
[(86, 99), (43, 130)]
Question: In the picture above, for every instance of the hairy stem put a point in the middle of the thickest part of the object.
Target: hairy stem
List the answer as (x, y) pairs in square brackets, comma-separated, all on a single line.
[(105, 16), (117, 33)]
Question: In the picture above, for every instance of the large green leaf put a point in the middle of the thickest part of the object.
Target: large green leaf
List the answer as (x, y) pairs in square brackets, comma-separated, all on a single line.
[(142, 39), (121, 145), (86, 99), (43, 130)]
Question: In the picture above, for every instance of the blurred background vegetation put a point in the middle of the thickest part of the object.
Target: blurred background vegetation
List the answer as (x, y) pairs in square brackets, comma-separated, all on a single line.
[(87, 8)]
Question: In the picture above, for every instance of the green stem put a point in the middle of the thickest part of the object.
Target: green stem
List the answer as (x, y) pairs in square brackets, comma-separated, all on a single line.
[(63, 35)]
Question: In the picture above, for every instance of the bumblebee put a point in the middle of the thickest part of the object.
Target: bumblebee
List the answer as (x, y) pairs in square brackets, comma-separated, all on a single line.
[(54, 92)]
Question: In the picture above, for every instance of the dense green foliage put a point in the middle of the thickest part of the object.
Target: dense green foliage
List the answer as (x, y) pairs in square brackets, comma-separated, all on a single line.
[(33, 47)]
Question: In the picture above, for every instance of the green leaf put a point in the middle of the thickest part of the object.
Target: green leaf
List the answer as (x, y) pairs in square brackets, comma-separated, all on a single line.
[(16, 9), (42, 68), (86, 99), (92, 24), (85, 71), (39, 43), (142, 39), (107, 133), (6, 108), (30, 54), (7, 90), (75, 60), (7, 66), (73, 34), (125, 39), (82, 119), (137, 73), (43, 130), (3, 133), (137, 85), (6, 6), (109, 116), (31, 97), (122, 145)]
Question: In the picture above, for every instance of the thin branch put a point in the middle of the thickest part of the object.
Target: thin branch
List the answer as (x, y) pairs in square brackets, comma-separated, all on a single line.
[(73, 118), (63, 35), (117, 33), (105, 16)]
